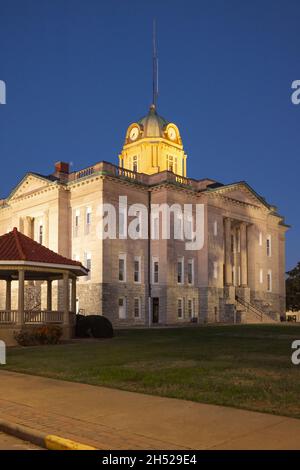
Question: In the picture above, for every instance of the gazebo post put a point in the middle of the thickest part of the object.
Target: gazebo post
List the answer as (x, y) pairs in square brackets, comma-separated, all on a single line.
[(66, 299), (21, 297), (49, 295), (73, 299), (8, 295)]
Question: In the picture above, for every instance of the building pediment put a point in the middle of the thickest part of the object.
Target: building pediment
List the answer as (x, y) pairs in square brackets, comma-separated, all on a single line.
[(243, 193), (28, 185)]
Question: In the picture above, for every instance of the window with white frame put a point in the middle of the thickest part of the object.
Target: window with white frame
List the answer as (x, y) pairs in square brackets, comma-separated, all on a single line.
[(180, 270), (261, 276), (269, 281), (122, 267), (137, 307), (122, 221), (88, 264), (41, 234), (269, 246), (215, 228), (137, 269), (88, 220), (122, 308), (215, 270), (178, 225), (191, 308), (189, 227), (155, 270), (155, 226), (190, 272), (180, 308), (76, 222)]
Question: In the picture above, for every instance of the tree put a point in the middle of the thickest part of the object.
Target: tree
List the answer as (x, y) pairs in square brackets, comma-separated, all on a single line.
[(293, 289)]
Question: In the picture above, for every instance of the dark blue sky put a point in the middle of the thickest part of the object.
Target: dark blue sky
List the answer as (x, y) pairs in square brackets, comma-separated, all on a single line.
[(79, 71)]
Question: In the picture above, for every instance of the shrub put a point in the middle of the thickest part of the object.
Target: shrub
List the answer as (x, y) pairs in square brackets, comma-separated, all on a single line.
[(95, 326), (48, 334)]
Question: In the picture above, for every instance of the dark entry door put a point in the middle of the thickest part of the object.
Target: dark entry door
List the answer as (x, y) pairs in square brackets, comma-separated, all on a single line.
[(155, 310)]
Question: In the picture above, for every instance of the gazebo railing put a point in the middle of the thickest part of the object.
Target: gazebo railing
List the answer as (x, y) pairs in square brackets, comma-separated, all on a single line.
[(31, 316), (8, 316), (43, 316)]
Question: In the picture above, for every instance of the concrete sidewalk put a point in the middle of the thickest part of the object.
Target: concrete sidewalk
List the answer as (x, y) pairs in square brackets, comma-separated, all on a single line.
[(112, 419)]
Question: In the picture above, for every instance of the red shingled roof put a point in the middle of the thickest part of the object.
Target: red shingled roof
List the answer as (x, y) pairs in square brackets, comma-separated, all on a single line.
[(15, 246)]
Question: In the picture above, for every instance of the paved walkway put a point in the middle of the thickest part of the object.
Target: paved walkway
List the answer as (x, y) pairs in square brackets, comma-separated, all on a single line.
[(112, 419)]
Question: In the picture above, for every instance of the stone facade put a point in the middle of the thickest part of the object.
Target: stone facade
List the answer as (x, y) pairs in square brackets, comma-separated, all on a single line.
[(240, 268)]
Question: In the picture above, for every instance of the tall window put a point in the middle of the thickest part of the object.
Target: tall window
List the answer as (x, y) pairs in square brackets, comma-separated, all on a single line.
[(155, 226), (122, 268), (269, 247), (122, 308), (137, 269), (180, 273), (190, 272), (190, 308), (137, 307), (189, 227), (41, 228), (76, 222), (155, 270), (260, 237), (88, 220), (135, 163), (269, 281), (88, 264), (122, 221), (178, 225), (180, 308)]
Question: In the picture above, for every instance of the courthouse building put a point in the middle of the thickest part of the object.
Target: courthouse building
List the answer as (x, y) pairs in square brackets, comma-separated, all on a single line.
[(238, 275)]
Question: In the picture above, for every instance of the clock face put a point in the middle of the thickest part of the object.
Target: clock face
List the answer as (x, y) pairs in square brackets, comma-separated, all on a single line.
[(171, 133), (133, 135)]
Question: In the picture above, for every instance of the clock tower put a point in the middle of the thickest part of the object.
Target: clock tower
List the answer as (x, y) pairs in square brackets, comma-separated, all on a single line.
[(152, 145)]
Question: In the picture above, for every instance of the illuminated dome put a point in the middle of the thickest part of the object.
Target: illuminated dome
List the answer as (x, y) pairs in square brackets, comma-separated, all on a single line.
[(152, 125)]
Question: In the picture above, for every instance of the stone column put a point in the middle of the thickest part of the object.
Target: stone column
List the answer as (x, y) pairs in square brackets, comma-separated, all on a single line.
[(227, 244), (49, 295), (66, 299), (8, 295), (21, 297), (73, 300), (244, 260)]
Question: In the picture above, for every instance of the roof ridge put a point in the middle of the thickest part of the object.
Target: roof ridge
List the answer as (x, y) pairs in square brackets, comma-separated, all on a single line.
[(18, 243)]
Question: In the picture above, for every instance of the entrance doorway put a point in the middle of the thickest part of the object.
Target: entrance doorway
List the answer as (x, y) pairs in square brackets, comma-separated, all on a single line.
[(155, 310)]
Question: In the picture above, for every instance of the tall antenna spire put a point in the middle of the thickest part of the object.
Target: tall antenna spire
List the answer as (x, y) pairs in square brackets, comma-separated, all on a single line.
[(155, 67)]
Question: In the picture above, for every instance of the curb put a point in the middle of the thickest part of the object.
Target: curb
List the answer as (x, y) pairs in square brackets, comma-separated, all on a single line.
[(47, 441)]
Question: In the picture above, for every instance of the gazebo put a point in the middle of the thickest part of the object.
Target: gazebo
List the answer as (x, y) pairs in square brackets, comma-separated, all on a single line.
[(23, 259)]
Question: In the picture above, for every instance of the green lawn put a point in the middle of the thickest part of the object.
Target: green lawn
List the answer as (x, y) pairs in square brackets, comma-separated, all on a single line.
[(243, 366)]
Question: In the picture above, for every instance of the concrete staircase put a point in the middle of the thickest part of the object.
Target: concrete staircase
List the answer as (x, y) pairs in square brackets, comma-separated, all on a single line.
[(247, 312)]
